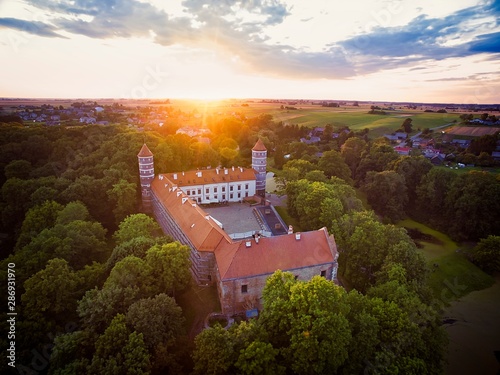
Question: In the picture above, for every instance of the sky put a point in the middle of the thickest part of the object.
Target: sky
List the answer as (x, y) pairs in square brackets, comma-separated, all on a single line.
[(445, 51)]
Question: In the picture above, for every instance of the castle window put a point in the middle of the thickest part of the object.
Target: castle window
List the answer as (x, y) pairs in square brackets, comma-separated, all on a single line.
[(223, 189), (199, 191), (231, 196), (224, 197), (239, 195), (239, 187), (207, 190), (323, 273), (246, 186), (188, 192), (231, 188), (215, 190), (244, 288)]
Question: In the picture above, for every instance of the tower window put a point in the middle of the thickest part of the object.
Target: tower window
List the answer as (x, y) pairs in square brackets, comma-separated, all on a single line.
[(323, 273), (244, 288)]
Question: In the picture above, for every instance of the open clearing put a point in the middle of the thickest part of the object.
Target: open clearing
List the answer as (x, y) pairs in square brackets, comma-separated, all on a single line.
[(473, 304), (475, 335)]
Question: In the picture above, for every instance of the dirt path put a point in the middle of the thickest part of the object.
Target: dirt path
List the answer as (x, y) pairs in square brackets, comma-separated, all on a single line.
[(475, 335)]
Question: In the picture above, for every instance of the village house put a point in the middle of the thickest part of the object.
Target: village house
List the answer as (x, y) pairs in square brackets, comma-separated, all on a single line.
[(238, 268)]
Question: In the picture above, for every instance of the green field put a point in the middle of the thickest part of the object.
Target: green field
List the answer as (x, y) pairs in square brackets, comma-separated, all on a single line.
[(452, 275), (357, 118)]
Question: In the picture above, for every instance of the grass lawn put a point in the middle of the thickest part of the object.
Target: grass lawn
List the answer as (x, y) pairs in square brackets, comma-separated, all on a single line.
[(442, 245), (452, 275)]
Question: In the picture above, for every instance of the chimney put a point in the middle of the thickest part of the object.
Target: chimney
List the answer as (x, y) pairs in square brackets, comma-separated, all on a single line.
[(198, 173), (297, 236), (225, 171), (248, 243), (175, 176), (257, 238), (217, 170), (183, 173), (233, 168), (290, 229)]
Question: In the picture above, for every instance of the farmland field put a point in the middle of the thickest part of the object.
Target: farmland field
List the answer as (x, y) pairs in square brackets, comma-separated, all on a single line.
[(357, 118), (473, 131)]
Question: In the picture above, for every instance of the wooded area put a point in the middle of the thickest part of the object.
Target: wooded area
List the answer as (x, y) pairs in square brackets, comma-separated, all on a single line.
[(96, 280)]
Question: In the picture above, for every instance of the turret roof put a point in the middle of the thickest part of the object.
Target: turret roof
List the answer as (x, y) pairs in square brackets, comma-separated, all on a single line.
[(259, 146), (145, 152)]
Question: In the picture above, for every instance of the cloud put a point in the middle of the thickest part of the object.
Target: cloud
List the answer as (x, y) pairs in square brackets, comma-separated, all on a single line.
[(486, 43), (32, 27), (240, 29)]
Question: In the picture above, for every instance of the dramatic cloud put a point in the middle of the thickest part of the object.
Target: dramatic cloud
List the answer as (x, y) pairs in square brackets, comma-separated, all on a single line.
[(31, 27), (239, 29)]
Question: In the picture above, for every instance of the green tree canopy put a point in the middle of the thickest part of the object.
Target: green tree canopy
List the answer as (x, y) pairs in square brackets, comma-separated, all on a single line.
[(387, 194), (136, 225)]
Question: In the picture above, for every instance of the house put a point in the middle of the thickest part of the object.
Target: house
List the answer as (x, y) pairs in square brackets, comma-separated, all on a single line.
[(239, 268), (402, 150)]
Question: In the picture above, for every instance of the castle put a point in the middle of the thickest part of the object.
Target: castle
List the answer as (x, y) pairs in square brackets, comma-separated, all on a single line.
[(238, 268)]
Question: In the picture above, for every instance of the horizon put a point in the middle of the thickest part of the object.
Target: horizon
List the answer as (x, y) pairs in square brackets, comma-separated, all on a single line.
[(258, 49)]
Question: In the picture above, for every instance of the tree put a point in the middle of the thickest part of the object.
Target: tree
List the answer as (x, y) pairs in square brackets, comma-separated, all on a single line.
[(333, 164), (158, 319), (387, 194), (306, 322), (52, 291), (169, 264), (407, 125), (18, 169), (136, 225), (213, 353), (431, 195), (413, 169), (37, 219), (379, 158), (364, 244), (71, 352), (473, 205), (118, 351), (137, 247), (71, 212), (259, 358), (351, 151), (124, 196), (318, 204), (486, 254)]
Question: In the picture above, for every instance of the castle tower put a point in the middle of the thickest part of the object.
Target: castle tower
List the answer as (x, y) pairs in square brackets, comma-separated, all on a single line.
[(146, 175), (259, 163)]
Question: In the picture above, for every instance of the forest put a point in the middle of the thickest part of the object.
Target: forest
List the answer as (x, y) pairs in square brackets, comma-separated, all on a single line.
[(96, 279)]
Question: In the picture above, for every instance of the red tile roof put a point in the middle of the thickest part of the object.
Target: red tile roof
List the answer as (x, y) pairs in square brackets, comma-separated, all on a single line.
[(259, 146), (145, 152), (211, 176), (197, 225), (236, 260)]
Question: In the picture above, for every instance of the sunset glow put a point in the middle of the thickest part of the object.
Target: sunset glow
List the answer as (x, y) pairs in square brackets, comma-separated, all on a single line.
[(363, 50)]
